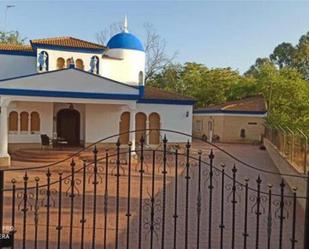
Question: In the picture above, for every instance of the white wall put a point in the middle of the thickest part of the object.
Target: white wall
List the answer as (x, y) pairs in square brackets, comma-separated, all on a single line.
[(16, 65), (46, 117), (173, 117), (71, 81), (54, 54), (99, 121), (102, 121), (124, 69)]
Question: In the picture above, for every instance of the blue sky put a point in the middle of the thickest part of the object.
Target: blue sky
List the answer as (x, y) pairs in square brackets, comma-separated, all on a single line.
[(215, 33)]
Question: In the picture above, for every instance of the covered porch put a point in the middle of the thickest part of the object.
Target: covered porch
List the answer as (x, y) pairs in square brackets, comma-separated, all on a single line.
[(78, 122)]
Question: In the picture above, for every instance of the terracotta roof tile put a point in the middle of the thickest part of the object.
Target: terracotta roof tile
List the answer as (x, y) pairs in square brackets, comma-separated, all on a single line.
[(250, 104), (16, 47), (67, 42), (156, 93)]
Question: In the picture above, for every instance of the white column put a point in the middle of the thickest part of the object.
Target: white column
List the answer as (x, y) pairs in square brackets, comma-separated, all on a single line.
[(132, 128), (4, 155)]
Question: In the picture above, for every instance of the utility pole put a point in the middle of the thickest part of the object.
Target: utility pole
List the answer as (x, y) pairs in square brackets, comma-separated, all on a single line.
[(7, 7)]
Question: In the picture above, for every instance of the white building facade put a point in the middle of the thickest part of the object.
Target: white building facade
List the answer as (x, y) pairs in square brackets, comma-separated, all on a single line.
[(82, 92)]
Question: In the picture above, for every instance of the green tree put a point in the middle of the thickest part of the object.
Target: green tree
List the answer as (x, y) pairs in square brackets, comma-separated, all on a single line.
[(254, 69), (12, 37), (301, 57), (283, 55)]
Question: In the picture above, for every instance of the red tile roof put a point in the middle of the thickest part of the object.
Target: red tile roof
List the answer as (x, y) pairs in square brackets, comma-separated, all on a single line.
[(67, 42), (16, 47), (156, 93), (249, 104)]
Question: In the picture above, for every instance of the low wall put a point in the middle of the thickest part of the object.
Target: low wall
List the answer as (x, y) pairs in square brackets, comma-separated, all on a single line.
[(285, 167)]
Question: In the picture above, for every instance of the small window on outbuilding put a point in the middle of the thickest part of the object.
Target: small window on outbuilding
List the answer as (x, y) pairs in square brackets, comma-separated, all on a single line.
[(24, 122), (252, 123), (198, 125), (13, 122), (242, 133)]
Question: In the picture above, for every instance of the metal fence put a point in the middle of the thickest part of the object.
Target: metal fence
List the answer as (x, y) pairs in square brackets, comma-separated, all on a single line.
[(293, 145), (168, 197)]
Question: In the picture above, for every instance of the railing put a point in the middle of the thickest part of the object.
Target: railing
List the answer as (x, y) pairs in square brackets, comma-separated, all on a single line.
[(292, 145), (172, 196)]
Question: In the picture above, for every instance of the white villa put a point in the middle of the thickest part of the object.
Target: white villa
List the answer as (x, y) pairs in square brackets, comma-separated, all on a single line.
[(81, 92)]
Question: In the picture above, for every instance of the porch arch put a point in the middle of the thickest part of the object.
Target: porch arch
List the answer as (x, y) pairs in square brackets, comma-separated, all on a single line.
[(24, 121), (13, 121), (35, 122), (68, 126), (154, 123), (140, 124), (124, 127)]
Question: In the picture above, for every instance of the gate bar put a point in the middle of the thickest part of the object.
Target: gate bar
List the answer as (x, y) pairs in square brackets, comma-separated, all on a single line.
[(306, 230), (1, 200)]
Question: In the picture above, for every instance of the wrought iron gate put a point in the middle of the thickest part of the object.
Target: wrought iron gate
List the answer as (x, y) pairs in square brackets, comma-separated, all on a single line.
[(171, 196)]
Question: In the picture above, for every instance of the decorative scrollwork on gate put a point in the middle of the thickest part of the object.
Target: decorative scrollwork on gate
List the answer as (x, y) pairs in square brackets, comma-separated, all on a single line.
[(286, 205), (151, 207), (75, 184), (43, 194), (30, 197), (254, 199)]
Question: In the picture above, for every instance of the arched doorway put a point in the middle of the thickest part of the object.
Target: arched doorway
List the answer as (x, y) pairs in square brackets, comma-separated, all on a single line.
[(154, 123), (68, 126), (140, 124), (124, 128)]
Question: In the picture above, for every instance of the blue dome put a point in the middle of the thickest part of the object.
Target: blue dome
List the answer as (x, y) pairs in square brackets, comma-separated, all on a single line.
[(126, 41)]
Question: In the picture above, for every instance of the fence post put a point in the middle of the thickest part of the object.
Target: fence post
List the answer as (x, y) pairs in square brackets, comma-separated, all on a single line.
[(1, 200), (306, 230)]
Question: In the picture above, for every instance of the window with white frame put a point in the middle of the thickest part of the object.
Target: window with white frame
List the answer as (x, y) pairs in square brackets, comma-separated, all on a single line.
[(198, 125)]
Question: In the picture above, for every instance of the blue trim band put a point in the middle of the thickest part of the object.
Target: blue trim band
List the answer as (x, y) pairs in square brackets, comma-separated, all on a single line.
[(228, 112), (61, 94), (67, 48), (20, 53), (141, 91), (166, 101)]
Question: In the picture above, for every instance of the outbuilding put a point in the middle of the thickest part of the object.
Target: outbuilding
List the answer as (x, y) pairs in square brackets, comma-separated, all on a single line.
[(240, 121)]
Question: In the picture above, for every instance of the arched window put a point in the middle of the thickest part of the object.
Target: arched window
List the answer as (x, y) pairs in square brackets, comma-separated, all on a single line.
[(68, 62), (94, 64), (140, 78), (43, 61), (154, 123), (124, 127), (79, 64), (60, 63), (35, 122), (24, 121), (140, 124), (13, 122)]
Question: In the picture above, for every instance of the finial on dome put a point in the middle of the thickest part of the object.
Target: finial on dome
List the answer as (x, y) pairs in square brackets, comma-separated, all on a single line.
[(125, 24)]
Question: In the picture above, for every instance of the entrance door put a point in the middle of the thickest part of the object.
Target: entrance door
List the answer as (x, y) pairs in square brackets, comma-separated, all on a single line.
[(68, 126)]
